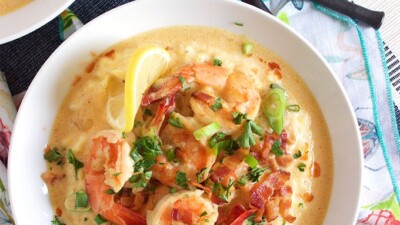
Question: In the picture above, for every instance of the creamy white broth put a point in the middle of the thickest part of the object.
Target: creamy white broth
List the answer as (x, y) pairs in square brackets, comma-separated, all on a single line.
[(82, 114)]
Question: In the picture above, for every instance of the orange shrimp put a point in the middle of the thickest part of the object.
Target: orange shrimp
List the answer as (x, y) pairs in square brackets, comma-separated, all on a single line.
[(109, 166)]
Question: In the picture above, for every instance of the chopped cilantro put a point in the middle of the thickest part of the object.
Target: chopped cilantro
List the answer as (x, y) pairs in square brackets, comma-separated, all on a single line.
[(140, 180), (123, 135), (220, 141), (99, 220), (182, 79), (246, 138), (200, 174), (74, 161), (217, 105), (301, 167), (57, 221), (110, 191), (243, 180), (172, 190), (238, 117), (255, 174), (181, 180), (221, 191), (217, 62), (175, 121), (52, 155), (276, 148), (203, 213), (297, 155), (144, 153), (216, 138), (171, 155), (301, 205), (81, 199), (148, 112)]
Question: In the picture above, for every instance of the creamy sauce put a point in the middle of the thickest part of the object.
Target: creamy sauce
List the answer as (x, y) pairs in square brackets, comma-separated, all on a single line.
[(8, 6), (83, 112)]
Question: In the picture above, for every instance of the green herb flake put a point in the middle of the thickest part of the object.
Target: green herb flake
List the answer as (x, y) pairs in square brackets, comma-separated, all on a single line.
[(301, 205), (216, 138), (238, 117), (81, 199), (217, 62), (217, 105), (181, 180), (203, 214), (85, 219), (99, 220), (297, 155), (207, 220), (57, 221), (247, 49), (171, 155), (182, 79), (74, 161), (173, 190), (175, 121), (116, 174), (52, 155), (110, 191), (238, 24), (148, 112), (293, 108), (301, 167), (246, 138), (144, 152), (221, 191), (255, 174), (140, 180), (200, 174), (123, 135), (276, 148), (243, 180)]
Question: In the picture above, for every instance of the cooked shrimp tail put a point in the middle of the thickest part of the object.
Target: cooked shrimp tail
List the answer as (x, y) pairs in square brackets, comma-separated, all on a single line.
[(166, 106)]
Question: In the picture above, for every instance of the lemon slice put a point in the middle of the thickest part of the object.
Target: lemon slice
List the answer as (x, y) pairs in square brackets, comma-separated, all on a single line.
[(146, 65), (115, 111)]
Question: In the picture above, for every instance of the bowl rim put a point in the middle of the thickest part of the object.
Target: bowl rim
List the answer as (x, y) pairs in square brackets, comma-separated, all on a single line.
[(62, 47)]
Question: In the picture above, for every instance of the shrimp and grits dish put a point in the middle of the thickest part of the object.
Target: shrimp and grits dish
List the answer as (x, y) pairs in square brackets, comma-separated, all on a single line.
[(188, 125)]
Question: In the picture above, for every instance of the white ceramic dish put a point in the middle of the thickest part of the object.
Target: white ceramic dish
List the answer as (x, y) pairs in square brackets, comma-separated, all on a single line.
[(29, 18), (29, 198)]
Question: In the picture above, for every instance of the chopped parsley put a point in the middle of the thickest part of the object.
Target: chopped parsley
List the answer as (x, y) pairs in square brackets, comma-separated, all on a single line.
[(238, 117), (301, 205), (217, 62), (203, 213), (171, 155), (216, 138), (148, 112), (81, 199), (297, 155), (220, 141), (52, 155), (243, 180), (301, 167), (238, 24), (99, 220), (144, 153), (217, 105), (255, 174), (123, 135), (181, 180), (57, 221), (110, 191), (140, 180), (276, 148), (200, 174), (182, 79), (221, 191), (246, 138), (172, 190), (74, 161), (175, 121)]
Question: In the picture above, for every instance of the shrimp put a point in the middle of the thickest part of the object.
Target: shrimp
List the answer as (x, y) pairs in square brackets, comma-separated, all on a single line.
[(109, 166), (185, 207), (234, 91), (191, 155)]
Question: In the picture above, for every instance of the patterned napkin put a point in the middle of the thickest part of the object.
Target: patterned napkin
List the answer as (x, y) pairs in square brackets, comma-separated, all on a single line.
[(355, 52)]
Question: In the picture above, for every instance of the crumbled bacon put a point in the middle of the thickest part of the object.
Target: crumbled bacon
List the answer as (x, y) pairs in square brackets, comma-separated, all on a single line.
[(243, 217), (315, 170), (59, 212), (220, 173), (272, 209), (182, 214), (307, 197), (51, 178), (284, 160), (235, 212), (274, 65)]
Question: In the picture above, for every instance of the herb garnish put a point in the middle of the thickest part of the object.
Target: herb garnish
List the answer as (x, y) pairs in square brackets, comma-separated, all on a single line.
[(293, 108), (148, 112), (221, 191), (203, 214), (301, 167), (74, 161), (217, 62), (99, 220), (52, 155), (200, 174), (182, 79), (276, 148), (251, 161), (175, 121), (81, 199), (144, 153), (238, 24), (220, 141), (172, 190), (57, 221), (243, 180), (255, 174), (171, 155), (181, 180), (110, 191), (297, 155), (238, 117), (217, 105), (246, 138)]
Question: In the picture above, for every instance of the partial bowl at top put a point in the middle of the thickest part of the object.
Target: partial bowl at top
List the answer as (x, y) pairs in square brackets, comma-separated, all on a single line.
[(29, 17), (29, 196)]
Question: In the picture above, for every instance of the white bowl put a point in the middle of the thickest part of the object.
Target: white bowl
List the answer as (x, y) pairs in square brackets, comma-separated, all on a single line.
[(29, 18), (30, 203)]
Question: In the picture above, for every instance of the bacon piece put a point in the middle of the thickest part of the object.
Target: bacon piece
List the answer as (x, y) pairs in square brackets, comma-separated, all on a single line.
[(243, 217), (59, 212), (307, 197), (315, 170), (274, 65), (278, 74), (284, 160), (235, 212), (50, 178), (272, 209), (286, 203), (259, 214), (220, 173), (262, 192), (182, 215)]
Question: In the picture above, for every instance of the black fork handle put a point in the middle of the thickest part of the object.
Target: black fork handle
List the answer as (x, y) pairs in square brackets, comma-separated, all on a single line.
[(370, 17)]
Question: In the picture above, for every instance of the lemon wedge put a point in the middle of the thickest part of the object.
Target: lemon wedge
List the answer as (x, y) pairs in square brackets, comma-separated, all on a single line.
[(146, 65)]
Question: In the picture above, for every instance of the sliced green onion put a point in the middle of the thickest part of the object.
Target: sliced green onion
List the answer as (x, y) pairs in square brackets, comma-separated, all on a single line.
[(99, 220), (251, 161), (181, 180), (81, 199), (200, 174), (297, 155), (206, 131), (172, 190), (293, 108), (247, 48), (175, 121), (217, 62), (110, 191), (170, 155), (52, 155), (238, 24), (75, 162), (243, 180), (301, 167), (217, 105), (182, 79), (274, 108)]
